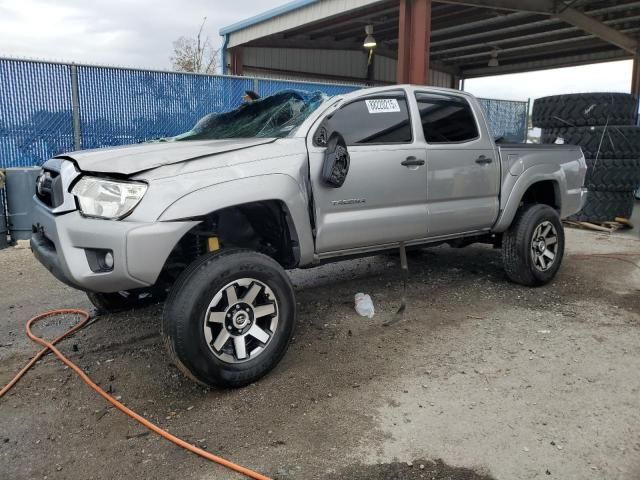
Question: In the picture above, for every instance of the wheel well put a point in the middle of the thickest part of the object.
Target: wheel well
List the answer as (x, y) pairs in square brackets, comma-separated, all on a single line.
[(265, 227), (545, 192)]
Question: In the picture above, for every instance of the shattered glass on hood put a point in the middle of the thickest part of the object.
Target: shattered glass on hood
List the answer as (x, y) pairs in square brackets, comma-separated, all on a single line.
[(274, 116)]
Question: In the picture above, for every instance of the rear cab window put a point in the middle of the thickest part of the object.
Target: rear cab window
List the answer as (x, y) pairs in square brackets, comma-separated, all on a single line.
[(372, 120), (446, 118)]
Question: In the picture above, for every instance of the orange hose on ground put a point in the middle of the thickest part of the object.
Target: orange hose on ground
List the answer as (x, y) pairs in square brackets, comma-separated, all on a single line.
[(49, 346)]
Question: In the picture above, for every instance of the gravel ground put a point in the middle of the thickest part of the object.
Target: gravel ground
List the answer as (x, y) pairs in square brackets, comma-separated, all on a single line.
[(483, 379)]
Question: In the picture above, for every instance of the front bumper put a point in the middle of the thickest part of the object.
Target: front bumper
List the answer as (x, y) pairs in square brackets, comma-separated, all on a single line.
[(60, 243)]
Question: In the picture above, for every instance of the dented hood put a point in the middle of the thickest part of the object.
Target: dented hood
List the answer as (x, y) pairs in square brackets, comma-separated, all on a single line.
[(130, 159)]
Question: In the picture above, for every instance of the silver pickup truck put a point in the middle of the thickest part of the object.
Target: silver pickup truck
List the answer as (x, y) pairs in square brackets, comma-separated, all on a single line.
[(213, 217)]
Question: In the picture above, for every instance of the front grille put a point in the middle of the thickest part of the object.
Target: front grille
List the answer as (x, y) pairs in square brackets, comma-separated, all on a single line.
[(49, 188), (53, 183)]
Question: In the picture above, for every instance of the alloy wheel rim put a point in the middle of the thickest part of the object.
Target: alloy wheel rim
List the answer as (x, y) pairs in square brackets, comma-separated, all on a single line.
[(241, 320), (544, 246)]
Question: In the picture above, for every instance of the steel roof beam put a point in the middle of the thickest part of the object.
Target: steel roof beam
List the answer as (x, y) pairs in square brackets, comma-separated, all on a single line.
[(490, 45), (359, 30), (561, 11), (588, 46), (322, 25), (305, 44), (526, 47), (494, 29), (546, 62), (499, 30), (338, 30), (585, 47), (392, 24), (599, 29), (453, 12), (475, 15), (526, 32), (534, 6), (503, 53), (492, 22), (337, 27)]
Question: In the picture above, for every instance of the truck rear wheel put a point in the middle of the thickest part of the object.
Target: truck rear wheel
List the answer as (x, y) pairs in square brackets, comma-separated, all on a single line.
[(229, 318), (533, 247)]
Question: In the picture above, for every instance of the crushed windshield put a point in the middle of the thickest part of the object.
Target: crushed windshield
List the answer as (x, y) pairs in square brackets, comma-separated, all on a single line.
[(274, 116)]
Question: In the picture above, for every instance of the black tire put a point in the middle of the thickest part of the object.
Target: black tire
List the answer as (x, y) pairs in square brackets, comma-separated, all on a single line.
[(605, 206), (598, 142), (584, 109), (517, 244), (125, 300), (183, 322), (613, 175)]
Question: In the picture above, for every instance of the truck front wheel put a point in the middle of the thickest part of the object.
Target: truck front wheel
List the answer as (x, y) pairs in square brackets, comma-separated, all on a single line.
[(229, 318), (533, 247)]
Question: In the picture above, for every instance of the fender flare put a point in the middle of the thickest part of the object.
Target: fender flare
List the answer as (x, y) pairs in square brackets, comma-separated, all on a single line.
[(277, 186), (532, 175)]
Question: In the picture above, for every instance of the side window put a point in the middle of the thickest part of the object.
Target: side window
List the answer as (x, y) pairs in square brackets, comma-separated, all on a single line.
[(373, 120), (446, 118)]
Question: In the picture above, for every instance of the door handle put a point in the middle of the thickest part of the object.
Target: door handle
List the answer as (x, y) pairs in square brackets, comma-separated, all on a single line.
[(482, 160), (412, 162)]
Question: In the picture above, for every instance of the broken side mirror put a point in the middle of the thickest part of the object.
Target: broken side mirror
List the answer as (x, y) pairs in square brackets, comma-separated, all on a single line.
[(336, 161), (321, 136)]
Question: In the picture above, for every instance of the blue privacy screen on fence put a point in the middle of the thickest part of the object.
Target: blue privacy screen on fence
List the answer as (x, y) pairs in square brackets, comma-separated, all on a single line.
[(128, 106), (35, 112), (118, 106)]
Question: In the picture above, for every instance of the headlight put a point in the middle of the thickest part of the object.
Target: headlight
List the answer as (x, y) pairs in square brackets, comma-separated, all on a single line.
[(107, 198)]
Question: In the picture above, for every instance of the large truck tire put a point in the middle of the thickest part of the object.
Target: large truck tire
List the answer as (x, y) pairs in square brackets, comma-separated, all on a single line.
[(605, 206), (584, 109), (613, 175), (229, 318), (598, 142)]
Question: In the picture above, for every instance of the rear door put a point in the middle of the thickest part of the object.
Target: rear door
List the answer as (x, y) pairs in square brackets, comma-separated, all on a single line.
[(463, 171), (383, 198)]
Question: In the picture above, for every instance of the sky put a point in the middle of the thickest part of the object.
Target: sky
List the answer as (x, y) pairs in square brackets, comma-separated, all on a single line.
[(136, 33), (140, 33), (610, 77)]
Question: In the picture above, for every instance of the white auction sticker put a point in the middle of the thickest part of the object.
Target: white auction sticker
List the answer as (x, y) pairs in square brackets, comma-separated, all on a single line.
[(382, 105)]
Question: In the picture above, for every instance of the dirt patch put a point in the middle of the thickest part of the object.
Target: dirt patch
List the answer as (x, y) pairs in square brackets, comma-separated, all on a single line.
[(484, 374), (416, 470)]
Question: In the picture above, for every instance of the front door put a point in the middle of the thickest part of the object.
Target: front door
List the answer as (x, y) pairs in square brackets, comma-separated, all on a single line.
[(383, 198)]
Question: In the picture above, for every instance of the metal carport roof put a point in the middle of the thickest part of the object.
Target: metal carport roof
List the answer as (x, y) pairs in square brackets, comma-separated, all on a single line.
[(527, 35)]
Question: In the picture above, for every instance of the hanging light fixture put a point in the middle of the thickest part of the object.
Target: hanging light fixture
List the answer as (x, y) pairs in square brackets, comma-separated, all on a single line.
[(369, 41), (493, 61)]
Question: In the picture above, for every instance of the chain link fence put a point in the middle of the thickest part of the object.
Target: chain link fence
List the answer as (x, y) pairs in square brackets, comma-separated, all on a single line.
[(50, 108)]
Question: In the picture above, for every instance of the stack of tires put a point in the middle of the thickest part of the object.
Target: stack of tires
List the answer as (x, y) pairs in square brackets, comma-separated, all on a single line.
[(604, 125)]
